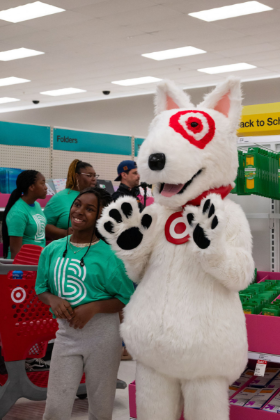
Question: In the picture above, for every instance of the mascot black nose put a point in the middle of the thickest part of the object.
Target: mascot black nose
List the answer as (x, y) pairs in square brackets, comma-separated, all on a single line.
[(157, 161)]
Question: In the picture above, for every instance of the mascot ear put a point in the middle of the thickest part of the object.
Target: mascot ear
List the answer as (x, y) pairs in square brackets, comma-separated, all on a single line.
[(169, 96), (226, 98)]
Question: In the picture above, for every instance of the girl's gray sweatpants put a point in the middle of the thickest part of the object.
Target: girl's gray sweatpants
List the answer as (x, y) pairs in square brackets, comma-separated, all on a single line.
[(95, 350)]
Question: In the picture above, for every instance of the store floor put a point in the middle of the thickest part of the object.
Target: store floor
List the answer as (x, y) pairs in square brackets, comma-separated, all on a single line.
[(27, 410)]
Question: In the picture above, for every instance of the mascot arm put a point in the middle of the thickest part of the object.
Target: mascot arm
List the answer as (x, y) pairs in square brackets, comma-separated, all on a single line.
[(222, 241), (232, 262), (130, 233)]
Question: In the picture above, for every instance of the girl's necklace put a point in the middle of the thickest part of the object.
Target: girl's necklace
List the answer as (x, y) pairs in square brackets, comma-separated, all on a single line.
[(81, 246)]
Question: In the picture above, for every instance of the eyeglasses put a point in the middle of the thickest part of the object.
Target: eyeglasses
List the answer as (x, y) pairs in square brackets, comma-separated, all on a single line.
[(90, 175)]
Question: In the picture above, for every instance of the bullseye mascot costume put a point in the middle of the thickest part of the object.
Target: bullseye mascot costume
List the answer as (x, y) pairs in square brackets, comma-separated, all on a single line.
[(190, 252)]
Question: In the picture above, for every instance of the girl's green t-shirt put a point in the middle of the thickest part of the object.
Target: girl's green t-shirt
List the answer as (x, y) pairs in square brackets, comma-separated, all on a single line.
[(27, 221), (102, 277), (58, 208)]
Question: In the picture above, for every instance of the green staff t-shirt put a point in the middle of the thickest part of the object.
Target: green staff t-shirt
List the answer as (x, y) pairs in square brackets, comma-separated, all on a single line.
[(102, 277), (58, 208), (28, 222)]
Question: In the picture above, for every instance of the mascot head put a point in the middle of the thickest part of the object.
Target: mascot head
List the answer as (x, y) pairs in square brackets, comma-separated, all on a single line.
[(190, 150)]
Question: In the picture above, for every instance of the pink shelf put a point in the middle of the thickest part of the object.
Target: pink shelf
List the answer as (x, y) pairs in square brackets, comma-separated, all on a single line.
[(5, 197), (263, 331)]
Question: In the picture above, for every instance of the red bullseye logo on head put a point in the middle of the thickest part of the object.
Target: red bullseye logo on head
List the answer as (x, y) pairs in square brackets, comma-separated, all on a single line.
[(195, 126)]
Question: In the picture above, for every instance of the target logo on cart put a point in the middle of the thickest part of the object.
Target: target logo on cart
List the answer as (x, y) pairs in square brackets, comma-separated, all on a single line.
[(18, 295), (177, 229)]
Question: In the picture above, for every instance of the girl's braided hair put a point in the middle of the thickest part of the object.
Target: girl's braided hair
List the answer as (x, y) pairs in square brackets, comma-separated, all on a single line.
[(103, 200), (74, 169), (24, 181)]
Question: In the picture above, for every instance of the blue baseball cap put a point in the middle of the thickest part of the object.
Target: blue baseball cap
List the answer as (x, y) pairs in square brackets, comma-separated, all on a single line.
[(125, 166)]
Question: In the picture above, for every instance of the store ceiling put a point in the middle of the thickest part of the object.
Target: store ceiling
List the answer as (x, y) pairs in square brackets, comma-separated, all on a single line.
[(95, 42)]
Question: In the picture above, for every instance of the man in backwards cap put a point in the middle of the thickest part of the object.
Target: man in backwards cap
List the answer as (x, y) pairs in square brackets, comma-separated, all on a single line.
[(129, 177)]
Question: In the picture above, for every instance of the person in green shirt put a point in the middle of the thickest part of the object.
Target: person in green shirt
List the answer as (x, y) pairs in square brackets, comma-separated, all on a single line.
[(80, 175), (24, 221), (86, 286)]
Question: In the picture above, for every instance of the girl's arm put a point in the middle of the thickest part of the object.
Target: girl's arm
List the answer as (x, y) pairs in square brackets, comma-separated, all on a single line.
[(60, 307), (83, 313), (15, 245)]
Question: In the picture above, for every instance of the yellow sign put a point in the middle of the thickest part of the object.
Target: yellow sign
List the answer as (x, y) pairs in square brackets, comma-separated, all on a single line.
[(256, 123)]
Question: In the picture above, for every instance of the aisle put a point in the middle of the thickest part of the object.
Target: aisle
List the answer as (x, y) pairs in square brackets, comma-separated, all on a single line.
[(26, 410)]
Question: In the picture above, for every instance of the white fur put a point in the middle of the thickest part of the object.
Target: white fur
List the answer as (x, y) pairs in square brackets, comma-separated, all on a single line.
[(184, 324)]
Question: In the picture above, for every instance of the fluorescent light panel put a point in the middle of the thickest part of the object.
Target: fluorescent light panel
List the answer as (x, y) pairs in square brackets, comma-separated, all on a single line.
[(226, 12), (61, 92), (137, 81), (18, 53), (229, 67), (29, 11), (12, 81), (174, 53), (6, 100)]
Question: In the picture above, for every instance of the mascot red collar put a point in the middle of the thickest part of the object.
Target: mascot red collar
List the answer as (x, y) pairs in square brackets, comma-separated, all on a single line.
[(176, 227)]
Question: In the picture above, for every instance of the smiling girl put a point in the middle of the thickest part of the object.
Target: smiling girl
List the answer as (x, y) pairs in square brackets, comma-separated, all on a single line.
[(86, 286)]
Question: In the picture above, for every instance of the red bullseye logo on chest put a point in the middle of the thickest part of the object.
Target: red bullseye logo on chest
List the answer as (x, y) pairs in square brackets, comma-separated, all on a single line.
[(195, 126), (176, 229)]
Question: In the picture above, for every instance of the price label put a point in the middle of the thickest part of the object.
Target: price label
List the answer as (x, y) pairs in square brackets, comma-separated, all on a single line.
[(260, 367)]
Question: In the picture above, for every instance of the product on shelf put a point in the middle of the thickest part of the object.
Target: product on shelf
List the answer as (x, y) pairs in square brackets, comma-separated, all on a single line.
[(275, 383), (263, 381), (258, 173), (260, 398), (244, 396), (274, 404), (261, 298)]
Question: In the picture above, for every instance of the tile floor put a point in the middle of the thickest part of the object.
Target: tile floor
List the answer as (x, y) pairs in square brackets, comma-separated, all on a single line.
[(33, 410)]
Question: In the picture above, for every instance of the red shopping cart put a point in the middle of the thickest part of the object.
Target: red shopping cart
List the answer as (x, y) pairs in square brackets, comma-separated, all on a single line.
[(26, 326)]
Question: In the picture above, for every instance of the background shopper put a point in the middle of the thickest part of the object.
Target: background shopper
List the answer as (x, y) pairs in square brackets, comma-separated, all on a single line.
[(24, 221), (80, 175), (130, 178)]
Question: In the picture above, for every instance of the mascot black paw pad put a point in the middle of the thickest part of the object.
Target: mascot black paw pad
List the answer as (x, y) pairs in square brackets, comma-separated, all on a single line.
[(130, 239)]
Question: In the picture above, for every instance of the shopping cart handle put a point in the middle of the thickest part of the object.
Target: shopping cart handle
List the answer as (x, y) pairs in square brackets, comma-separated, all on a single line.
[(6, 266)]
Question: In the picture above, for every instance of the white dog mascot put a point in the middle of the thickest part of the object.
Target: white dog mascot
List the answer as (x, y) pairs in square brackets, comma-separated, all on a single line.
[(190, 252)]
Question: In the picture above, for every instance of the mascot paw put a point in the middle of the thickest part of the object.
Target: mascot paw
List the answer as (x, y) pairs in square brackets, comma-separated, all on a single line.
[(122, 223), (205, 220)]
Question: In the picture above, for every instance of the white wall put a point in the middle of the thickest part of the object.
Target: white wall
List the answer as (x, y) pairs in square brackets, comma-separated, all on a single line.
[(128, 116)]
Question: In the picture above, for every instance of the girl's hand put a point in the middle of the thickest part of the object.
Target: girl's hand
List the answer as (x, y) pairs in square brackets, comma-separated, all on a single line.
[(82, 314), (61, 308)]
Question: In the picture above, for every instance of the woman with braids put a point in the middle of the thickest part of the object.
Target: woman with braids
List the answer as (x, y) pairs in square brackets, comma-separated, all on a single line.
[(86, 286), (81, 175), (24, 221)]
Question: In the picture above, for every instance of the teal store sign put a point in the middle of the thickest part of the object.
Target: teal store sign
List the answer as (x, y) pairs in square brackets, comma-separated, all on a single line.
[(13, 134), (138, 143), (84, 141)]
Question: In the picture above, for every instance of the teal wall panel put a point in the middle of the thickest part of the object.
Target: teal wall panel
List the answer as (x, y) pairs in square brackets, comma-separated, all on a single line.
[(13, 134), (83, 141), (138, 142)]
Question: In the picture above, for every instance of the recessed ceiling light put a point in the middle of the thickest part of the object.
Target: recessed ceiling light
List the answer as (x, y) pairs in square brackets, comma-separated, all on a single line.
[(229, 67), (226, 12), (60, 92), (18, 53), (174, 53), (12, 81), (137, 81), (6, 100), (29, 11)]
